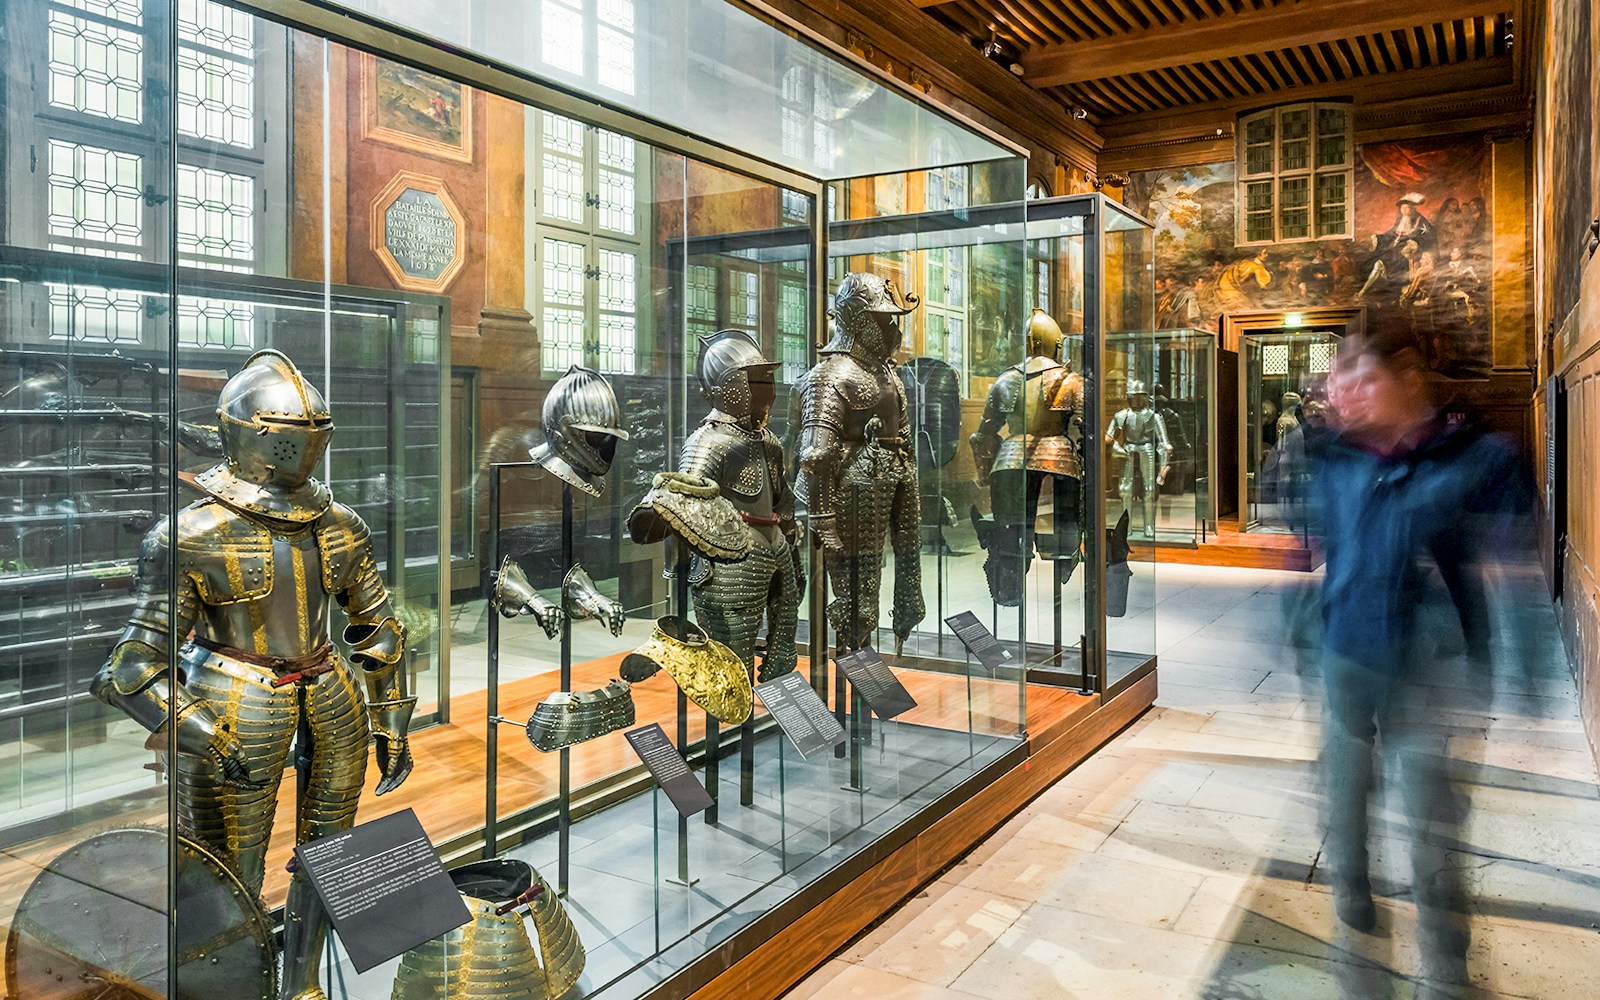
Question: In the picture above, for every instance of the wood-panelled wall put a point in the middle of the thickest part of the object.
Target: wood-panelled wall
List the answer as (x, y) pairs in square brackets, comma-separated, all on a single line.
[(1567, 177)]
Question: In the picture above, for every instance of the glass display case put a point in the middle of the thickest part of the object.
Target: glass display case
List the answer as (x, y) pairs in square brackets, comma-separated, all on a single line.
[(405, 417), (1281, 381), (1183, 391)]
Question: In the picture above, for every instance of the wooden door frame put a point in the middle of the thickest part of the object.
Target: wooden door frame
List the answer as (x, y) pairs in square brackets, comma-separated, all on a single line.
[(1235, 329)]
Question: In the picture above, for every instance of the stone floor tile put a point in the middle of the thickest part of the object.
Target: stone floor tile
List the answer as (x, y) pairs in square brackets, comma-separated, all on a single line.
[(842, 980), (1055, 954), (944, 936)]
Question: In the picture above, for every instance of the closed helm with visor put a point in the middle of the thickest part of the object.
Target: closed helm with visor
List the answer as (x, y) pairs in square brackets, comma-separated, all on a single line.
[(275, 427), (582, 426), (730, 361), (1044, 336), (865, 308)]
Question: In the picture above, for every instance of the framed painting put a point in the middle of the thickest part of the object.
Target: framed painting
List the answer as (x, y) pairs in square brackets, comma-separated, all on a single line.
[(415, 110)]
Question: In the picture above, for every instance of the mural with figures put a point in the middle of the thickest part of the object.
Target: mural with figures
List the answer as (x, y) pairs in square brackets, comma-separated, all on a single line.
[(1420, 259)]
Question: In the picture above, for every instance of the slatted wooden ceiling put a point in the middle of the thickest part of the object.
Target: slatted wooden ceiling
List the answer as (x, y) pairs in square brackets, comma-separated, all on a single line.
[(1117, 58)]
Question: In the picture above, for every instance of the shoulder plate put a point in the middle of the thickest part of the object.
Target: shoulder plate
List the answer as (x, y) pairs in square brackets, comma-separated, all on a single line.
[(342, 540), (227, 555)]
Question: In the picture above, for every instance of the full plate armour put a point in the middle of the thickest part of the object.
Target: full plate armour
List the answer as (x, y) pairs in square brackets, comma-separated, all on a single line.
[(857, 474), (1140, 437), (1036, 403), (256, 591)]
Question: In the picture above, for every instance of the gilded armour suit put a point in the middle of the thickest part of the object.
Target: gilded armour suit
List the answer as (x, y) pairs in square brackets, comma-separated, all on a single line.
[(857, 474), (1036, 403), (733, 447), (260, 562)]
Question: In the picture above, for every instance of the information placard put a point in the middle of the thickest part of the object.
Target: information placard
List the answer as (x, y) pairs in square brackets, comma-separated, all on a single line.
[(980, 642), (384, 887), (800, 713), (876, 683), (669, 769)]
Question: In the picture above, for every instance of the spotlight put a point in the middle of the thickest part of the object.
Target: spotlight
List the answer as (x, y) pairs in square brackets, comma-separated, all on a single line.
[(1001, 52), (1080, 113)]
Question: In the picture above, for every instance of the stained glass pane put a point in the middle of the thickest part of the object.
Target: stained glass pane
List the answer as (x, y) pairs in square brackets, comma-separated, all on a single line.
[(96, 315), (95, 195), (1275, 359), (792, 329), (95, 68), (617, 154), (216, 97), (563, 304), (562, 38), (203, 22), (619, 299), (1321, 358), (216, 323), (744, 299), (216, 218)]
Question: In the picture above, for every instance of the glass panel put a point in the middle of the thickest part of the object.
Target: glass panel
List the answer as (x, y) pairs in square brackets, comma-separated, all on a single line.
[(849, 125), (565, 287), (1294, 199), (1283, 371), (85, 358), (1332, 205), (97, 68)]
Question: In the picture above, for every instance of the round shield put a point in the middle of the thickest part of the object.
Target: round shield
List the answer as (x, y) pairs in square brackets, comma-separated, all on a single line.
[(93, 926)]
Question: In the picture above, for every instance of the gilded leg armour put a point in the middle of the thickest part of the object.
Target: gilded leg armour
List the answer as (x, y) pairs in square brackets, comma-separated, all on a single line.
[(236, 823)]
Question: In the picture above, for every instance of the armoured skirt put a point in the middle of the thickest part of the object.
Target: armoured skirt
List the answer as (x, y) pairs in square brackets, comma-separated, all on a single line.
[(236, 823), (875, 497), (731, 600)]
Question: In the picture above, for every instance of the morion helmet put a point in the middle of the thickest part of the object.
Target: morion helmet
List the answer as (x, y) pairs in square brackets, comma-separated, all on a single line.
[(275, 427), (1044, 336), (582, 425), (728, 358)]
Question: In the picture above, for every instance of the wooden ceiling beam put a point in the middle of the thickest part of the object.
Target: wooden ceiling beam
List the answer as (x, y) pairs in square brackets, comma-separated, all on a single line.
[(1417, 88), (1272, 29)]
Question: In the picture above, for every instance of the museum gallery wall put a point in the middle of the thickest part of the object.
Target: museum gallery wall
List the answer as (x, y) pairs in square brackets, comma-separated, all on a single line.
[(1423, 215), (1568, 172)]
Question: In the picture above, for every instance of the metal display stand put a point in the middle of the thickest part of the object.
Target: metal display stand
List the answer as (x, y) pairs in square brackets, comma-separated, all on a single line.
[(492, 739)]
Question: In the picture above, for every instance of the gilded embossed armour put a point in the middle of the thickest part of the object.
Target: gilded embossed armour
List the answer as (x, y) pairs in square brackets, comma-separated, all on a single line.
[(259, 565)]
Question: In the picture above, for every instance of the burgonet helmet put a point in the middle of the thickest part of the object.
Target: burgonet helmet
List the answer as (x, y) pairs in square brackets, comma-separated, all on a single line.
[(727, 360), (1137, 388), (275, 427), (582, 425), (1044, 336)]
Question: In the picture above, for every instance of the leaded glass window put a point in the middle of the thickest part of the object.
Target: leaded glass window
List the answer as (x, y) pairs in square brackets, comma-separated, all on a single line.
[(1295, 167)]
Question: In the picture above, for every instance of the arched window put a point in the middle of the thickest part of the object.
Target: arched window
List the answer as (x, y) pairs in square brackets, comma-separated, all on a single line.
[(1296, 166)]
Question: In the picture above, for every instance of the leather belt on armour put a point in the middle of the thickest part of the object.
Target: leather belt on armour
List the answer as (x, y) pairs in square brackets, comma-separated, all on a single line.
[(323, 654), (761, 520)]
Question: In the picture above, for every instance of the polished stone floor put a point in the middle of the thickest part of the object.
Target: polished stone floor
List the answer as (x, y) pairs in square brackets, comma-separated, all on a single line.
[(1182, 860)]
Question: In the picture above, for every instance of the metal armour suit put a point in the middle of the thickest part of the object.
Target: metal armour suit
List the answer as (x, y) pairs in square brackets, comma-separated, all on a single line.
[(733, 447), (1139, 437), (259, 563), (857, 474), (1036, 403)]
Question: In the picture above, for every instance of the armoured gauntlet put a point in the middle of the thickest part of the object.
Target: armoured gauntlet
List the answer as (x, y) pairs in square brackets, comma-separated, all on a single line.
[(514, 596), (136, 680), (378, 647), (584, 600)]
